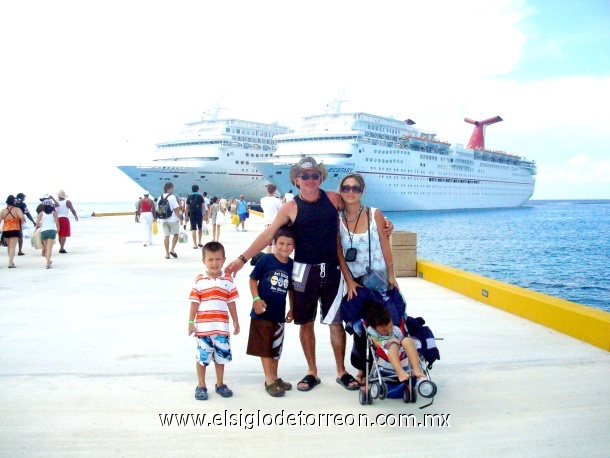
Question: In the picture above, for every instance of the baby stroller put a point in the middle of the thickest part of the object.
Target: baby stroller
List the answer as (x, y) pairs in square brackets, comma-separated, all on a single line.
[(381, 380)]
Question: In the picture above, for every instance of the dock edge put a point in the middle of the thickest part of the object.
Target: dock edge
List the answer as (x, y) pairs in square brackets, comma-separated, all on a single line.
[(576, 320)]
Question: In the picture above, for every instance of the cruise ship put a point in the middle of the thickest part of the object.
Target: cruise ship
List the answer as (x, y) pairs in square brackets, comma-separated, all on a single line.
[(215, 154), (405, 168)]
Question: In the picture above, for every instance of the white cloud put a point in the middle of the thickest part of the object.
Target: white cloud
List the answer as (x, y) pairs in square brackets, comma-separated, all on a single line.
[(580, 177), (83, 84)]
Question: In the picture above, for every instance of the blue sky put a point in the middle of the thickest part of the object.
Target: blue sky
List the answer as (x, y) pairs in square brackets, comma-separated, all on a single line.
[(86, 86)]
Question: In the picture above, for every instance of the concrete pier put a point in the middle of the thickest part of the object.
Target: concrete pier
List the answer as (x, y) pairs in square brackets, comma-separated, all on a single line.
[(94, 354)]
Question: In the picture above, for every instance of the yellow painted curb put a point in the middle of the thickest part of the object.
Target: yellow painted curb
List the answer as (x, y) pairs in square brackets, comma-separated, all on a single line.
[(95, 215), (576, 320)]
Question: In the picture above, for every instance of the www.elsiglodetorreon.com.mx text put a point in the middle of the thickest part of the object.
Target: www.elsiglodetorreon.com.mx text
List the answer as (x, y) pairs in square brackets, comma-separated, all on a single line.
[(259, 419)]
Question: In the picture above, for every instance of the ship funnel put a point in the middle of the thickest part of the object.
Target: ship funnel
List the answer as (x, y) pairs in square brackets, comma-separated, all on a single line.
[(477, 139)]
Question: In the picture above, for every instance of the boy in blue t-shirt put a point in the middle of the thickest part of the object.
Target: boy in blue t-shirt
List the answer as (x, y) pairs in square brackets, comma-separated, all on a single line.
[(270, 281)]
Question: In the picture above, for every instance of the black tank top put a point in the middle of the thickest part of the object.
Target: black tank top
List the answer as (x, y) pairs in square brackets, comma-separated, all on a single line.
[(316, 228)]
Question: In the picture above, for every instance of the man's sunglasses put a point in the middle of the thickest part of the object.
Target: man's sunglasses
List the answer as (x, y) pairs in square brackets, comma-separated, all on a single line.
[(355, 189), (306, 176)]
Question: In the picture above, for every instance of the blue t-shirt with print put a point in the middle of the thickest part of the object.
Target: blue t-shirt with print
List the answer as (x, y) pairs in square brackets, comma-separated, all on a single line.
[(274, 280)]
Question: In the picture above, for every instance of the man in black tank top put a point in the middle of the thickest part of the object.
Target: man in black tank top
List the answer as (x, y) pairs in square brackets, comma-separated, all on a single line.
[(313, 215)]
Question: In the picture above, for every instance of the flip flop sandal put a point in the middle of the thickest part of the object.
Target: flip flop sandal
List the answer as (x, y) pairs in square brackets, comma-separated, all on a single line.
[(275, 390), (224, 391), (173, 254), (311, 382), (346, 381)]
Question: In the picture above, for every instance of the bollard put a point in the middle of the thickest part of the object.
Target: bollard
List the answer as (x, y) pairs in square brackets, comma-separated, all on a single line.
[(404, 252)]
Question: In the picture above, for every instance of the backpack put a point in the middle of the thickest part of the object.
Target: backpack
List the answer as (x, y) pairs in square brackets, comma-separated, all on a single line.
[(195, 201), (428, 349), (164, 210)]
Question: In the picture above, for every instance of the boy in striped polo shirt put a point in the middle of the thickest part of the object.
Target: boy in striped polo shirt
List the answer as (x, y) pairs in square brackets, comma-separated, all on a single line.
[(212, 300)]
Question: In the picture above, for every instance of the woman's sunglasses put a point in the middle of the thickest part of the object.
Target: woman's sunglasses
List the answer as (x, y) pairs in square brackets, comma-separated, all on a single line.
[(355, 189), (306, 176)]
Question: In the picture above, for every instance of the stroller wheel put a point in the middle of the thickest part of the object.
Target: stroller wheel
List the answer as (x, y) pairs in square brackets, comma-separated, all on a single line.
[(362, 395), (413, 389), (427, 388), (374, 390), (383, 390), (406, 394)]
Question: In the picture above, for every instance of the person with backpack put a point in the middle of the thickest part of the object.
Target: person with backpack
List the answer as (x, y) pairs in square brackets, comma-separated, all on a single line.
[(195, 209), (168, 211)]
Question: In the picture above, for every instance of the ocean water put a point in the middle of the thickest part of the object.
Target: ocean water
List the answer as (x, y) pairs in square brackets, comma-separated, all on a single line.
[(560, 248)]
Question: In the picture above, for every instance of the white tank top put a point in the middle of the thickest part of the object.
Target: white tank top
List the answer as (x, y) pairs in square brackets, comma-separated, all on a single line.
[(63, 210), (361, 243), (47, 222)]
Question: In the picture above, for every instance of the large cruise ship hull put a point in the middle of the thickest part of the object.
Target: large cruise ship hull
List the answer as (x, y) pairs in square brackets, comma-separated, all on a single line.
[(214, 154), (219, 182), (403, 180)]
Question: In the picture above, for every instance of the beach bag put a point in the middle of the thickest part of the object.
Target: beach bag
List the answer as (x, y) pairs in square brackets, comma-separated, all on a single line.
[(36, 239), (235, 219), (155, 229), (164, 210), (220, 218), (375, 280), (183, 237)]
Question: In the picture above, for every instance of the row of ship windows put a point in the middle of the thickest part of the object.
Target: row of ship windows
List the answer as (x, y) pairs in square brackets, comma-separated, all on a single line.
[(253, 140), (257, 133), (266, 146)]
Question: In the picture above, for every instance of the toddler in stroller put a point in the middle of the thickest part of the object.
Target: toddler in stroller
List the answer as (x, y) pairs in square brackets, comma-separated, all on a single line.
[(393, 364)]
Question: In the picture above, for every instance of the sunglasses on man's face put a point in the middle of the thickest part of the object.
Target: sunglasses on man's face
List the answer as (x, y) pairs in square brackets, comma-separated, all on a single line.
[(355, 189), (306, 176)]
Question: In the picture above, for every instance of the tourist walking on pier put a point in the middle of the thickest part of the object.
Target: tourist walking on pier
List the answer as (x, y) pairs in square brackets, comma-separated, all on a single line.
[(270, 205), (195, 209), (20, 203), (171, 222), (13, 219), (63, 212), (147, 215), (242, 211), (48, 223)]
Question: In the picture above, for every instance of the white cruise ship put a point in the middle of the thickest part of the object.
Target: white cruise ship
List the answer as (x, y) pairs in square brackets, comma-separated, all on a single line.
[(215, 154), (405, 168)]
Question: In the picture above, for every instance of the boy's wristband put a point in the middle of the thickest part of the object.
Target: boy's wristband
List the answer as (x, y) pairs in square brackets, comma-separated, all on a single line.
[(242, 258), (191, 322), (254, 299)]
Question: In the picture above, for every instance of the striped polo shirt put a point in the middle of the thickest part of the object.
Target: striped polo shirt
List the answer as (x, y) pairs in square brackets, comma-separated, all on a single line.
[(213, 295)]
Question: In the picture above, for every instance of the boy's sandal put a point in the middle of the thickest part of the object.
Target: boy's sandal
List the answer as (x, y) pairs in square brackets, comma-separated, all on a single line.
[(275, 390), (285, 385), (201, 393), (224, 391)]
